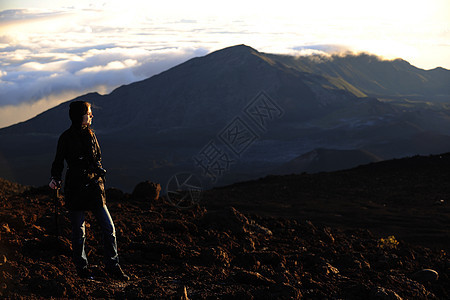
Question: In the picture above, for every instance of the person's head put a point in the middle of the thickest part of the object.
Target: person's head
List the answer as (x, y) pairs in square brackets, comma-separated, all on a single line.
[(80, 113)]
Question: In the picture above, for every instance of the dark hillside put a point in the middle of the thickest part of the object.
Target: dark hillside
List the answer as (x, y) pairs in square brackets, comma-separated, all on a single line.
[(407, 197), (280, 237)]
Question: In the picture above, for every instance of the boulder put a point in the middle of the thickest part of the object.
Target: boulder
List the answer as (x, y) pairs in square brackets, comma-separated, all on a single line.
[(146, 190), (425, 275)]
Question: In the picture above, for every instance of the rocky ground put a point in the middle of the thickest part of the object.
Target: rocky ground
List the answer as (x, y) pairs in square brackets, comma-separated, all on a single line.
[(222, 249)]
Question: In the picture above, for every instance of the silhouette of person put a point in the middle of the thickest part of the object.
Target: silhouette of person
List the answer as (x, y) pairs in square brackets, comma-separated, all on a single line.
[(84, 189)]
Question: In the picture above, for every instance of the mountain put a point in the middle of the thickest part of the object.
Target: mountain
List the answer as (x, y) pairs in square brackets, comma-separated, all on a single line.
[(256, 110), (369, 75), (326, 160)]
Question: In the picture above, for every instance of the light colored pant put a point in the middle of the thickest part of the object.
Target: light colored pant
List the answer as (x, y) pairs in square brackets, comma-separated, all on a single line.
[(79, 237)]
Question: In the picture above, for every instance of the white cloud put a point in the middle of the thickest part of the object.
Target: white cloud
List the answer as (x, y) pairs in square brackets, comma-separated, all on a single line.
[(114, 65), (12, 114), (110, 68)]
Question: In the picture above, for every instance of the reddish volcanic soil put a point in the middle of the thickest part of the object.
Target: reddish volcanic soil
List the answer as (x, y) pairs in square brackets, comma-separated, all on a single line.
[(297, 236)]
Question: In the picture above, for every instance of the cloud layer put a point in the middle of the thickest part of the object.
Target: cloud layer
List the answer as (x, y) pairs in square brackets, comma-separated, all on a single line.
[(39, 70)]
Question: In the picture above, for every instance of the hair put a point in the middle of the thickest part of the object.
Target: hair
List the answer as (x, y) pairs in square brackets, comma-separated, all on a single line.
[(77, 110)]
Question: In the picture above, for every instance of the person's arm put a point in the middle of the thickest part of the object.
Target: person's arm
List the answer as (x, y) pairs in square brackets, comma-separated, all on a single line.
[(58, 164), (99, 170), (97, 148)]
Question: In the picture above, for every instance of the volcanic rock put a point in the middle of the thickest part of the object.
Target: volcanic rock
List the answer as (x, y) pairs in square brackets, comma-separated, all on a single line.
[(218, 252), (235, 221), (329, 269), (384, 294), (426, 275), (251, 278), (146, 190), (285, 291), (269, 257), (217, 256)]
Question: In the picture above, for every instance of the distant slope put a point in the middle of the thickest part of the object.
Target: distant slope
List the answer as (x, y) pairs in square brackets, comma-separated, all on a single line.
[(407, 197), (326, 160), (369, 75)]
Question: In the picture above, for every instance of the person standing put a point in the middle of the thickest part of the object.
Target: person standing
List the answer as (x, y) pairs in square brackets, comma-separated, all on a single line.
[(84, 189)]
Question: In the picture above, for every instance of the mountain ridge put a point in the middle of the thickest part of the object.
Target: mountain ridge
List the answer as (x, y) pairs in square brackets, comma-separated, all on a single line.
[(168, 118), (383, 76), (244, 51), (327, 160)]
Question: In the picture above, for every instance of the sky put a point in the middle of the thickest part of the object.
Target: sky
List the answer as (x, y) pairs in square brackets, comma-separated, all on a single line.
[(53, 51)]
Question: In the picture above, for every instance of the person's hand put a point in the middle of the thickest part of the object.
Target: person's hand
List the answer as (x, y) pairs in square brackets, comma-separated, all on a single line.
[(54, 184)]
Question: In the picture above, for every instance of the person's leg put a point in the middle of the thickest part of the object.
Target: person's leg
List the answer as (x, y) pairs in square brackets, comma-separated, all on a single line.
[(78, 239), (109, 236), (110, 243)]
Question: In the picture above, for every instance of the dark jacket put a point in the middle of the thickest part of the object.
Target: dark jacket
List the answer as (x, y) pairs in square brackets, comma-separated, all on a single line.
[(84, 184)]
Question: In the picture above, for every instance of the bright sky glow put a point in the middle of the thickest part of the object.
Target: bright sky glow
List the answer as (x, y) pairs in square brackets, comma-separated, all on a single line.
[(52, 51)]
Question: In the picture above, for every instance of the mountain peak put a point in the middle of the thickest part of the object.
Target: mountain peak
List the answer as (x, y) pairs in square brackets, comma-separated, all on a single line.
[(242, 48), (238, 55), (241, 51)]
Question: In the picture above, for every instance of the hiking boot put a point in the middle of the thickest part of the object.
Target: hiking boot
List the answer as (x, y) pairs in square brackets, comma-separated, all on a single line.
[(84, 273), (117, 273)]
